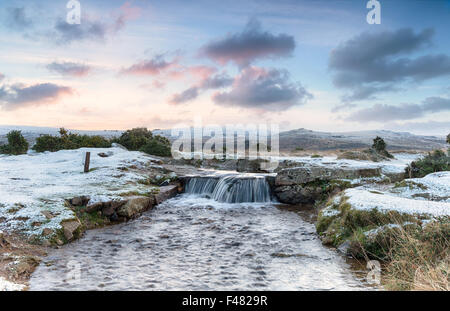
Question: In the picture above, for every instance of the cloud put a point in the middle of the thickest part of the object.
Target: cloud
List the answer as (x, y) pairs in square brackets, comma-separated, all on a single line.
[(207, 83), (383, 112), (18, 95), (373, 63), (69, 68), (17, 19), (66, 33), (152, 67), (187, 95), (436, 104), (430, 127), (267, 90), (252, 43), (2, 76), (217, 81)]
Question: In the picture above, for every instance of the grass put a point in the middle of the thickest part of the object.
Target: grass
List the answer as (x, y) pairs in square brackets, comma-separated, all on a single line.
[(414, 250)]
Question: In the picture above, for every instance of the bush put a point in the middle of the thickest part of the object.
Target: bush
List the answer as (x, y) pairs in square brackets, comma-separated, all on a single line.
[(69, 141), (17, 144), (135, 139), (158, 146), (435, 161), (380, 147)]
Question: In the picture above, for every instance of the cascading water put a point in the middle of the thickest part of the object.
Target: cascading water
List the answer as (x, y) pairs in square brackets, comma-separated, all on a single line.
[(231, 188)]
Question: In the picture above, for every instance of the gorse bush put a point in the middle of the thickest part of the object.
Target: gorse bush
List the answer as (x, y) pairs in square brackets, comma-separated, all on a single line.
[(17, 144), (141, 139), (435, 161), (68, 140), (159, 146), (134, 139)]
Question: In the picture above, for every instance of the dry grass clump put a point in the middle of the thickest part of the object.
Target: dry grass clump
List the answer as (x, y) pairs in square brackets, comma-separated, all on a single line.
[(415, 257)]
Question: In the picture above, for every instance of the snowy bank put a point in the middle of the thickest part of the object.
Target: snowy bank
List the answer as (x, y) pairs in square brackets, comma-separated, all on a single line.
[(6, 286), (33, 187)]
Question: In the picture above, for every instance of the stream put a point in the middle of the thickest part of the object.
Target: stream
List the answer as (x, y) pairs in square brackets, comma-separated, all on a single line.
[(200, 241)]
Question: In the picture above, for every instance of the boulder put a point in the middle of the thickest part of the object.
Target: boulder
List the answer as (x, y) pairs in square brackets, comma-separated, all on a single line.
[(108, 211), (303, 175), (250, 166), (94, 207), (166, 192), (79, 201), (135, 206), (71, 228)]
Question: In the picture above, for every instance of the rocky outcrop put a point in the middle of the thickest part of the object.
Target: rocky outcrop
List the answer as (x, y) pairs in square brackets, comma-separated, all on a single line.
[(94, 214), (306, 184), (136, 206), (166, 192), (71, 229)]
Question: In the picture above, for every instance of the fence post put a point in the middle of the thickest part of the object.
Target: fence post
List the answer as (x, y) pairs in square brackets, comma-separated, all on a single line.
[(86, 162)]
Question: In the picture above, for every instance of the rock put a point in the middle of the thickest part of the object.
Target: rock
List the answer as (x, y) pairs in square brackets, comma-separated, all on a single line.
[(114, 217), (94, 207), (117, 204), (135, 206), (250, 166), (79, 201), (105, 155), (298, 194), (302, 175), (47, 231), (166, 192), (165, 183), (344, 248), (47, 214), (108, 211), (71, 228)]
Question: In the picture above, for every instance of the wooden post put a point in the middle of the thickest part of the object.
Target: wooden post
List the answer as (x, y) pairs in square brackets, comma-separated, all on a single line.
[(86, 162)]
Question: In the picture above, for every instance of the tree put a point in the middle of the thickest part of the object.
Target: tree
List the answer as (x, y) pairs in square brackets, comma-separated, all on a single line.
[(448, 139), (17, 144), (379, 144)]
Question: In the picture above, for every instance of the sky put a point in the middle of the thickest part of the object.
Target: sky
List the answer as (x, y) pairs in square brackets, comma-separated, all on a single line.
[(314, 64)]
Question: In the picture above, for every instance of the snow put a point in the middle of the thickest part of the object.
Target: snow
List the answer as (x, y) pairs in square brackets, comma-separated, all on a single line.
[(435, 186), (361, 199), (7, 286), (32, 183), (393, 166)]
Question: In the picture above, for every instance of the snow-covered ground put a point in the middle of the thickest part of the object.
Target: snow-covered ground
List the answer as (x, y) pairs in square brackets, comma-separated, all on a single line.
[(396, 165), (435, 187), (38, 182), (7, 286), (362, 199)]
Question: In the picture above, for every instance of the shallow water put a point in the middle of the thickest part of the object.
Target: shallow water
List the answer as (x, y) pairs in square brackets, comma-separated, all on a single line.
[(192, 243)]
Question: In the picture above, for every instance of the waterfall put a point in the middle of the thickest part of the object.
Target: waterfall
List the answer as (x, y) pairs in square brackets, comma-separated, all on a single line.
[(230, 188)]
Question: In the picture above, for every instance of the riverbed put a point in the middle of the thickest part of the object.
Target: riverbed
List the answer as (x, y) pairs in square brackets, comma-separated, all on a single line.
[(194, 243)]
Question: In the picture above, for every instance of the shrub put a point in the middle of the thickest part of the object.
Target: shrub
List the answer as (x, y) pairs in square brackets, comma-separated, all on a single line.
[(435, 161), (69, 141), (17, 144), (380, 147), (135, 139), (159, 146)]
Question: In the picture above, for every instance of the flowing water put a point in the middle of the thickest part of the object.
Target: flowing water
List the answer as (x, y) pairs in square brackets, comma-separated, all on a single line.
[(199, 241)]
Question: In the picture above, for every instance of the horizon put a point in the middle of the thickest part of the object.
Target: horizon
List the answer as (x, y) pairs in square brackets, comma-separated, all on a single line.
[(300, 64), (56, 128)]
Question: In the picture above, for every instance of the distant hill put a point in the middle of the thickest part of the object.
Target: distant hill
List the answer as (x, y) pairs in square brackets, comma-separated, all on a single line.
[(307, 139), (289, 140)]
